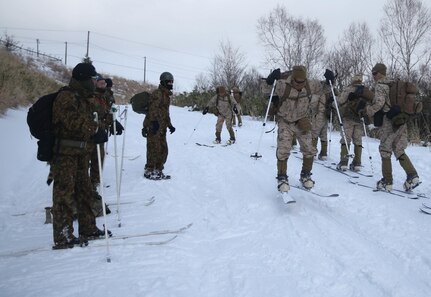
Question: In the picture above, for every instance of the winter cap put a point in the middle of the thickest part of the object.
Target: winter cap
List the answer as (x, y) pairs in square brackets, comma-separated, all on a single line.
[(108, 82), (220, 90), (356, 79), (299, 73), (380, 68), (83, 71), (99, 77)]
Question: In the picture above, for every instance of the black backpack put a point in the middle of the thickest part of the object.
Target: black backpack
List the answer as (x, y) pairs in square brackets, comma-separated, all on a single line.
[(39, 121), (141, 102)]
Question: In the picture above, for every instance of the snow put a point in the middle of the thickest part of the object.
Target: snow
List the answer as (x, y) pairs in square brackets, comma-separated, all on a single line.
[(244, 240)]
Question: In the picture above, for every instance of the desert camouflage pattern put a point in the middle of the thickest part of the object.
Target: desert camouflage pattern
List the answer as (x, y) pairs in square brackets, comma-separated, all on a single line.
[(319, 114), (72, 118), (293, 120), (157, 146), (224, 113)]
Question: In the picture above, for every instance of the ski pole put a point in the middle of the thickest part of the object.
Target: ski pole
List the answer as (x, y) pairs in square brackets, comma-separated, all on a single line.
[(256, 155), (340, 120), (368, 147), (117, 181), (99, 160), (200, 119), (330, 133), (121, 164)]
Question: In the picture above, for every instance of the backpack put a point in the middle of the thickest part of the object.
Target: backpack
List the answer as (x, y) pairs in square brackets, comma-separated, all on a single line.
[(403, 97), (141, 102), (39, 121)]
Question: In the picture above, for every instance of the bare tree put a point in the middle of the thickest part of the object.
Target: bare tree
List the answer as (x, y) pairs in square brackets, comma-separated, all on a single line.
[(353, 54), (406, 31), (291, 41), (228, 66)]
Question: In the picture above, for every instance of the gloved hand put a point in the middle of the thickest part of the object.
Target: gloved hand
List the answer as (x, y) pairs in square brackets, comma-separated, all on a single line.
[(352, 96), (393, 112), (274, 75), (329, 75), (235, 110), (330, 100), (101, 136), (154, 127), (144, 132), (275, 100), (205, 111), (118, 127), (171, 129)]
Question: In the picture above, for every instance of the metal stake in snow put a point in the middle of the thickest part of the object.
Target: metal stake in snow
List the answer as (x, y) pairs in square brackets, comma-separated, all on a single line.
[(99, 160), (257, 155)]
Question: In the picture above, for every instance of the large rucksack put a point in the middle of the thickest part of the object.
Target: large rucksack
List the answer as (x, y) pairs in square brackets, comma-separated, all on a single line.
[(39, 121), (403, 96), (141, 102)]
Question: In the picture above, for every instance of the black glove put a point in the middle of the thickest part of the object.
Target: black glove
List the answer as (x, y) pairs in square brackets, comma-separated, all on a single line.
[(101, 136), (393, 112), (329, 75), (275, 75), (360, 108), (352, 96), (275, 100), (144, 132), (235, 110), (205, 111), (330, 100), (118, 127), (154, 127), (171, 129)]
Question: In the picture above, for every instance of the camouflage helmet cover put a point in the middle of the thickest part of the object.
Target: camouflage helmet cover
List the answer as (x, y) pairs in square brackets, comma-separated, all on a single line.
[(166, 76)]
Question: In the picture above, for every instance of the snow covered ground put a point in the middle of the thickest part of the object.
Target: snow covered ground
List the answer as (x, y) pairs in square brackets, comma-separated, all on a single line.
[(244, 240)]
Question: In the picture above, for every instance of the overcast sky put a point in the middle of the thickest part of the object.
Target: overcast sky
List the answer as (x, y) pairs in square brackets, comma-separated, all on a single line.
[(180, 36)]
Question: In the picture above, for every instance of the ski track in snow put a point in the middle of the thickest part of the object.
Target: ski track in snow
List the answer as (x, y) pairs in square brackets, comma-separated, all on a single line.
[(244, 240)]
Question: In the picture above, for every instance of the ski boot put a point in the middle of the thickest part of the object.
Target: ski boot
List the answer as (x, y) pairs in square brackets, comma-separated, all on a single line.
[(384, 185), (306, 180), (230, 141), (342, 166), (355, 167), (411, 183), (322, 157), (283, 183), (217, 141)]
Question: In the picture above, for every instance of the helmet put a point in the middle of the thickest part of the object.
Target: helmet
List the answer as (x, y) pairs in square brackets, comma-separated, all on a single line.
[(166, 76), (83, 71)]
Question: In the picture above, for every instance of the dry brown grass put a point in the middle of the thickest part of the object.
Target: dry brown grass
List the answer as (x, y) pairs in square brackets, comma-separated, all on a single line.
[(21, 83)]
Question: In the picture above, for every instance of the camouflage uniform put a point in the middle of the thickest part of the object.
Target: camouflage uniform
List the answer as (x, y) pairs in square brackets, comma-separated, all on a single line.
[(157, 146), (73, 126), (320, 117), (393, 139), (353, 129), (237, 95), (223, 110), (293, 120)]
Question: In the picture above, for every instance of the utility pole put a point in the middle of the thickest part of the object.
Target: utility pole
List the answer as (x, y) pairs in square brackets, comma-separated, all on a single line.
[(65, 53), (145, 69), (88, 43), (37, 47)]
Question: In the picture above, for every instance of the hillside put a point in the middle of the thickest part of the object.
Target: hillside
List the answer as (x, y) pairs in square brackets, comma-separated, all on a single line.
[(243, 241), (24, 78)]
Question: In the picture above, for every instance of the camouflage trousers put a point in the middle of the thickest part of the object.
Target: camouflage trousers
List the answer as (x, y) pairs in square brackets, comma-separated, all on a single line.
[(157, 151), (320, 129), (354, 132), (286, 133), (219, 125), (71, 185), (392, 140), (94, 164)]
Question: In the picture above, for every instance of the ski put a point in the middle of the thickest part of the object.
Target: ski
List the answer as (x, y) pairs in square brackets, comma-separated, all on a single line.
[(332, 168), (287, 198), (130, 158), (426, 205), (404, 195), (425, 210), (206, 145), (152, 233), (356, 172), (148, 202), (314, 193)]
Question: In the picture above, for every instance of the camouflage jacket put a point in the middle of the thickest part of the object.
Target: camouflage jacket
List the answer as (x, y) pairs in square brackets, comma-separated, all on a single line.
[(158, 109), (381, 97), (223, 104), (72, 120), (103, 108)]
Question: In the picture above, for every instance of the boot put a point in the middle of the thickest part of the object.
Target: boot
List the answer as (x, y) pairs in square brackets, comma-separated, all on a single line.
[(218, 138), (344, 158), (386, 182), (356, 164), (283, 183), (307, 164), (412, 180), (281, 167), (323, 150), (306, 180)]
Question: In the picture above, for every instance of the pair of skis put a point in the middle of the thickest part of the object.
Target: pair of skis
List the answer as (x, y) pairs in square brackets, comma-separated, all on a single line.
[(288, 198)]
